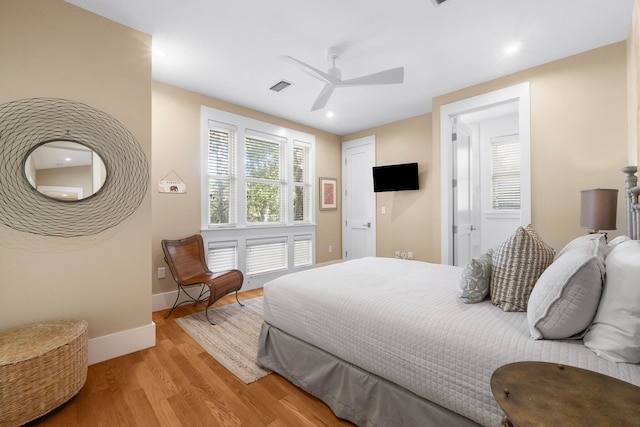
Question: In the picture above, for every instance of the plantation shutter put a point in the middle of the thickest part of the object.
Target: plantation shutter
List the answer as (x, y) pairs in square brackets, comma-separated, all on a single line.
[(301, 184), (302, 251), (505, 164), (221, 176), (222, 256), (266, 255)]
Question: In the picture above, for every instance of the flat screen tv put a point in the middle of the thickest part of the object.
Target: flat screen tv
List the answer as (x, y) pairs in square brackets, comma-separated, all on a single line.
[(395, 177)]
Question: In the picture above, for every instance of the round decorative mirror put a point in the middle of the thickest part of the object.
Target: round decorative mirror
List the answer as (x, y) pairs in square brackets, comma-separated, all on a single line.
[(65, 170)]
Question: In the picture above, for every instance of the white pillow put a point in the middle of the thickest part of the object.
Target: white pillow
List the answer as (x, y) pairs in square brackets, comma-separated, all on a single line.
[(586, 240), (615, 332), (615, 242), (565, 298)]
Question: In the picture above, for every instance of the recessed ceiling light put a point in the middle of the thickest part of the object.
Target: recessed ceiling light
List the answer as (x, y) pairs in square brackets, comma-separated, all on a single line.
[(512, 48), (67, 159), (329, 114)]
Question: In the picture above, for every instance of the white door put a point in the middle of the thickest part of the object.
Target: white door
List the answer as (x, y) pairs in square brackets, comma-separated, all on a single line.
[(463, 228), (358, 198), (521, 96)]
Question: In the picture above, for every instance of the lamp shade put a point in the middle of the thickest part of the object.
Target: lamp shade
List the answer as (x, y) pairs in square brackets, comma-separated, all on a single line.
[(598, 209)]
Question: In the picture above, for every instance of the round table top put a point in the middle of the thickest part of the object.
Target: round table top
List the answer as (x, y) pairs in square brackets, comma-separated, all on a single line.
[(549, 394)]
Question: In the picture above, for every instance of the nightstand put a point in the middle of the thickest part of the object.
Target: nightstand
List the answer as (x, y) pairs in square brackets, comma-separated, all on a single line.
[(549, 394)]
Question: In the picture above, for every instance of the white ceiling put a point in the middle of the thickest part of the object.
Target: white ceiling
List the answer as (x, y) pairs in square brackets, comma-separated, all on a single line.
[(234, 50)]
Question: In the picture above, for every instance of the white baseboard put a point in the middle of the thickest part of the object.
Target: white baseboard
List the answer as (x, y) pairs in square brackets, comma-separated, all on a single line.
[(120, 343)]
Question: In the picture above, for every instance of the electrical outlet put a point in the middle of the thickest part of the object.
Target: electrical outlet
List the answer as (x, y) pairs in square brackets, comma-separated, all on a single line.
[(403, 255), (383, 210), (397, 254), (330, 248), (161, 273), (409, 255)]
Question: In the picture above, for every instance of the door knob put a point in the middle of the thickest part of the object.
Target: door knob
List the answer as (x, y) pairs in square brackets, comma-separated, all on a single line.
[(473, 228), (368, 225)]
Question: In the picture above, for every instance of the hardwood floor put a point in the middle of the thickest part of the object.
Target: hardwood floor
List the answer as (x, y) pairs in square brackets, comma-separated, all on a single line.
[(176, 383)]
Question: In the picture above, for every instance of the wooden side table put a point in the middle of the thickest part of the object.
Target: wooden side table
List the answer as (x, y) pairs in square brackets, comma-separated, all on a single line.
[(548, 394)]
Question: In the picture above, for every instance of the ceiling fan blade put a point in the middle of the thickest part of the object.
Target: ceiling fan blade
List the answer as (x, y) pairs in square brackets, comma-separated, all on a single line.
[(387, 77), (313, 71), (324, 96)]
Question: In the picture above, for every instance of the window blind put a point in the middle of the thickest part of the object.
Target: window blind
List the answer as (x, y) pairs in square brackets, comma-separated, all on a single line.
[(302, 251), (266, 255), (505, 164), (220, 171), (222, 256), (302, 185), (264, 170)]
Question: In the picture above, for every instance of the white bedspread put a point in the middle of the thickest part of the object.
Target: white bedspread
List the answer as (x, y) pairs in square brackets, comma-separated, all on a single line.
[(403, 321)]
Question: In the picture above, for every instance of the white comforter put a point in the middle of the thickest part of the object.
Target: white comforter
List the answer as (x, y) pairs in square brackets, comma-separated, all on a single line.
[(403, 321)]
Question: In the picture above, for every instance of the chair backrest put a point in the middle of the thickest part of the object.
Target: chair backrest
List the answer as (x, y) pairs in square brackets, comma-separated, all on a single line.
[(185, 258)]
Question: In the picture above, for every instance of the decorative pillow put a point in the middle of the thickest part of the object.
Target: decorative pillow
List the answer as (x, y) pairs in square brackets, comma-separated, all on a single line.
[(516, 265), (565, 298), (586, 242), (615, 332), (476, 278), (615, 242)]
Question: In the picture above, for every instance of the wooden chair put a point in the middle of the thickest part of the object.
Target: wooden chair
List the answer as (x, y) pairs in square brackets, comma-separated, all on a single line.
[(186, 260)]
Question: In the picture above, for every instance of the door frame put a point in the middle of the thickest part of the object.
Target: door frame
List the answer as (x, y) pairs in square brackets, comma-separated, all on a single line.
[(347, 145), (519, 93)]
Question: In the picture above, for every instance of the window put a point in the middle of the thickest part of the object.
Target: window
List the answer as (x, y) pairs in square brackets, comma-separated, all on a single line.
[(302, 254), (266, 255), (222, 256), (265, 178), (505, 175), (221, 174), (301, 183), (258, 197)]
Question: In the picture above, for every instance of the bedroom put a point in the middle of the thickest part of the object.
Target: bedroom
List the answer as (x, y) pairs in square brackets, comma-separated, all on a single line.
[(106, 65)]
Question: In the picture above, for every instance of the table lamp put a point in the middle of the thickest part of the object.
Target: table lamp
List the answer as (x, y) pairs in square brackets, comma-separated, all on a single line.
[(598, 209)]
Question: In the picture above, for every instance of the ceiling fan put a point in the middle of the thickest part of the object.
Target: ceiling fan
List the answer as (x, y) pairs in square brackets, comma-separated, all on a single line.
[(333, 77)]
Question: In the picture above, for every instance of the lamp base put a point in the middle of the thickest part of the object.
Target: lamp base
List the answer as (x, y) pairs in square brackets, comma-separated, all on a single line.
[(599, 232)]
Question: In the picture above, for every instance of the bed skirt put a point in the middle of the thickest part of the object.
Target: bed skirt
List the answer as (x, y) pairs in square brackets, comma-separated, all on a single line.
[(352, 393)]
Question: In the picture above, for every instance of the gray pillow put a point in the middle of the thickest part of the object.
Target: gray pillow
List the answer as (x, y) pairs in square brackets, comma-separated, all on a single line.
[(566, 296), (516, 265), (476, 279)]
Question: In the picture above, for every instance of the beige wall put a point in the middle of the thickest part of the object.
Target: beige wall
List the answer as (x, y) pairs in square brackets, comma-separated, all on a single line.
[(578, 134), (407, 224), (176, 147), (49, 48), (578, 141)]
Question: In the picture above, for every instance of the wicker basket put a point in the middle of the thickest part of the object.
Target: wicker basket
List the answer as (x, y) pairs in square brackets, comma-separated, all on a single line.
[(41, 366)]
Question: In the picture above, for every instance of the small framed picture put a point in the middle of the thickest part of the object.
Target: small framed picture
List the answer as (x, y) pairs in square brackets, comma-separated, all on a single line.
[(328, 194)]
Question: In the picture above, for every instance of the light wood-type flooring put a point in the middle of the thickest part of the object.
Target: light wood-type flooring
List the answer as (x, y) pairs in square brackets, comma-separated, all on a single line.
[(176, 383)]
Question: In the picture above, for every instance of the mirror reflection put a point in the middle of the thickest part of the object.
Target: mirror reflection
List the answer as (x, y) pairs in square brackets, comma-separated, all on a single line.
[(65, 170)]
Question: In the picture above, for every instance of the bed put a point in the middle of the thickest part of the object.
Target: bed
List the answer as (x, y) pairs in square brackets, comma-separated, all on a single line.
[(388, 342)]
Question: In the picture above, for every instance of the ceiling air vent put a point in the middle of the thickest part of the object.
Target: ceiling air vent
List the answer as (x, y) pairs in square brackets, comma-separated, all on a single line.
[(280, 86)]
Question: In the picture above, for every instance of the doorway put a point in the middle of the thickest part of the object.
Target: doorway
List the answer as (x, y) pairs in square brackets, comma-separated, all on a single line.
[(470, 225), (358, 198)]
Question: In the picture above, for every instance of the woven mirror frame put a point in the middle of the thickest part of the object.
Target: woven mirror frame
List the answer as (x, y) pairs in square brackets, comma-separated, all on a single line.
[(27, 124)]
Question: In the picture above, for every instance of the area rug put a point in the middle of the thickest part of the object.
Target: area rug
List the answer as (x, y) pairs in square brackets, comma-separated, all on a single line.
[(233, 340)]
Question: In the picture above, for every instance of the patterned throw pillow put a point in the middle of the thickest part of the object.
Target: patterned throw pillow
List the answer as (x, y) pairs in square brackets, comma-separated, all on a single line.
[(516, 266), (476, 279)]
